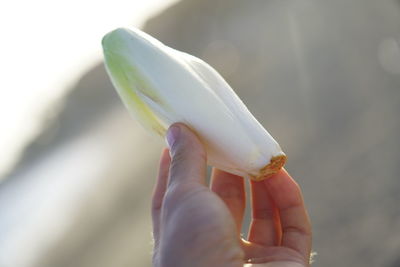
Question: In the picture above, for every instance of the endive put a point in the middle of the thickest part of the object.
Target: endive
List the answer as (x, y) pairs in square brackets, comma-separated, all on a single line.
[(160, 86)]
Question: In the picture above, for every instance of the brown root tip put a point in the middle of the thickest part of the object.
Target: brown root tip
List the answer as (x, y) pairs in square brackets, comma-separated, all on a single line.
[(273, 167)]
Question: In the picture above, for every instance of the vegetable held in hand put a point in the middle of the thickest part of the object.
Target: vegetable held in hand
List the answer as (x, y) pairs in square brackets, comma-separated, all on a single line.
[(161, 86)]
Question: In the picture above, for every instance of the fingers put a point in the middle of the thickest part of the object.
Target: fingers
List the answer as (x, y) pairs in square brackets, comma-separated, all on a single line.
[(230, 188), (265, 226), (159, 192), (188, 156), (296, 227)]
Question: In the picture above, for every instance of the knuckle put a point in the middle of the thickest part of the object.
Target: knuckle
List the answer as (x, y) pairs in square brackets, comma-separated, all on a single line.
[(263, 213), (179, 194), (156, 204), (190, 146), (296, 230), (173, 196)]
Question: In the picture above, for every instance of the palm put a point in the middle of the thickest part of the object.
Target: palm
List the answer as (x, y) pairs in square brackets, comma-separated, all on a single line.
[(213, 219)]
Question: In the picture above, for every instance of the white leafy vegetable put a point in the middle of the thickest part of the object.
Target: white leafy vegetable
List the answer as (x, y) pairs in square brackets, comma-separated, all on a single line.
[(160, 86)]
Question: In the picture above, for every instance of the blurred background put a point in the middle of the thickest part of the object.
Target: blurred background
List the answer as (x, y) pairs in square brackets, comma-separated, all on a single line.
[(77, 172)]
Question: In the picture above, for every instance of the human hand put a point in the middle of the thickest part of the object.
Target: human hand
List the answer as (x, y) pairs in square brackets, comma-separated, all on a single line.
[(194, 225)]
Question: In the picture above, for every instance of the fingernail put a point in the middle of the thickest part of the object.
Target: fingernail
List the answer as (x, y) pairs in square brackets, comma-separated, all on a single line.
[(172, 135)]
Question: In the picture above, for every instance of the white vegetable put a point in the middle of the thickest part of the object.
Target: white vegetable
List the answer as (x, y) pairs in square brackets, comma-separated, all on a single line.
[(161, 86)]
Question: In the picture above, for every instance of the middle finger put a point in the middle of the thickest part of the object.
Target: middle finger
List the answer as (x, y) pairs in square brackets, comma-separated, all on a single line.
[(265, 228), (230, 188)]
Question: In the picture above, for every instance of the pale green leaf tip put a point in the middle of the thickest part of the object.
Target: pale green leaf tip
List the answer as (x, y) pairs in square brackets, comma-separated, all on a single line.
[(113, 37), (127, 79)]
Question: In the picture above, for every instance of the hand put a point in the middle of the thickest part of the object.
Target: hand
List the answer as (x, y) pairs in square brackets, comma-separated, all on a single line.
[(194, 225)]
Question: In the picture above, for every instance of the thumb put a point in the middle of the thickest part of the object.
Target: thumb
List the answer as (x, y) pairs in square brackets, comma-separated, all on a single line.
[(188, 156)]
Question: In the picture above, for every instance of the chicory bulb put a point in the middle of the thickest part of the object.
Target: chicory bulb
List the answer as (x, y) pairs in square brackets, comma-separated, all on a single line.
[(160, 86)]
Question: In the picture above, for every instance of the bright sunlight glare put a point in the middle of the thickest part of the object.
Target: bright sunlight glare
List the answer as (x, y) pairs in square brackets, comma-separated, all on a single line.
[(45, 46)]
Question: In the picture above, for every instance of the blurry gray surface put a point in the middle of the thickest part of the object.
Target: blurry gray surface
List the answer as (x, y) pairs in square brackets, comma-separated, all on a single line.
[(322, 76)]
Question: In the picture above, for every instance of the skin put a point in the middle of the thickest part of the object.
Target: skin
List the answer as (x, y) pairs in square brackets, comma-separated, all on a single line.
[(199, 225)]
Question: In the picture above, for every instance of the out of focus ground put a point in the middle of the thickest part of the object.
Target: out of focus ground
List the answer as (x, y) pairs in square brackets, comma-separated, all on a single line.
[(322, 76)]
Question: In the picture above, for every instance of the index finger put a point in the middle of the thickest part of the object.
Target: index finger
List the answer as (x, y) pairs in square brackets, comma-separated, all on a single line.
[(296, 226)]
